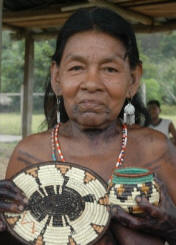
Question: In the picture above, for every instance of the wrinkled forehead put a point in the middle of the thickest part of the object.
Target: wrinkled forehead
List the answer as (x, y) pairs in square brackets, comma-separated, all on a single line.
[(96, 42)]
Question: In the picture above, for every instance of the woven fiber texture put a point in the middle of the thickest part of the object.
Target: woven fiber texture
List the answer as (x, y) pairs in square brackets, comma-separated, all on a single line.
[(128, 183), (68, 204)]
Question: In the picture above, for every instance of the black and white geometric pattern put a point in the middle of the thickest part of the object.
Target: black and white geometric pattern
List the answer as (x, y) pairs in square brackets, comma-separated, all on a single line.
[(124, 195), (68, 204)]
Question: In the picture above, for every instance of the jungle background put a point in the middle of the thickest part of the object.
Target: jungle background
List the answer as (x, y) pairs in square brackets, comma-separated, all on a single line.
[(157, 52)]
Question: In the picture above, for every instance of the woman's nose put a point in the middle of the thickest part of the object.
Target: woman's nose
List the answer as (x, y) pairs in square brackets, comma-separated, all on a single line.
[(92, 81)]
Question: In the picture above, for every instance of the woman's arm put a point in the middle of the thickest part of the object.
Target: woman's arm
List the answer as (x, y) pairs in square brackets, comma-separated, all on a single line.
[(108, 239), (172, 131), (127, 236)]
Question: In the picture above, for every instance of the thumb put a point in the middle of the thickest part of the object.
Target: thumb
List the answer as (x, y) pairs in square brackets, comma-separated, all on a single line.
[(2, 225)]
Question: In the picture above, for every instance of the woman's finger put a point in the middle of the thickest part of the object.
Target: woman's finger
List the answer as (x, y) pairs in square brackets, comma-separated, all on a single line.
[(125, 218), (8, 184), (148, 208), (2, 225), (6, 206), (10, 193), (6, 194)]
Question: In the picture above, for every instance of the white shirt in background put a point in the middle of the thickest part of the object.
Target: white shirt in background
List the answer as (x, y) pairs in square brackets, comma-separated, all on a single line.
[(163, 126)]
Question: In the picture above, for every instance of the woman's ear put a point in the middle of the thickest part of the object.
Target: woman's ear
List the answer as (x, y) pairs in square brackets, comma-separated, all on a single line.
[(136, 75), (55, 83)]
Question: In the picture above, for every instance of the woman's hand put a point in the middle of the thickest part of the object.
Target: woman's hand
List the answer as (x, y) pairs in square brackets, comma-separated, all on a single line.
[(159, 221), (11, 200)]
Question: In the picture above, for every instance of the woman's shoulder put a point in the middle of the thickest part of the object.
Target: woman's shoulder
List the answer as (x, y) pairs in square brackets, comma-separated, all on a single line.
[(148, 139), (146, 132), (34, 138), (149, 148), (33, 142), (32, 149), (153, 150)]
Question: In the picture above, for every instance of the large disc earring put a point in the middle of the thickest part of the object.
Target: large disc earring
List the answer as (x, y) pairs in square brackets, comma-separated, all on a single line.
[(129, 114)]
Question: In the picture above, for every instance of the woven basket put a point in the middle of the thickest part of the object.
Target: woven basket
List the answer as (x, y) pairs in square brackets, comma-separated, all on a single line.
[(127, 183), (68, 204)]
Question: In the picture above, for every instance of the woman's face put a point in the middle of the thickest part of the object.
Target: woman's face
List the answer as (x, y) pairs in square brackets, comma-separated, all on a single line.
[(94, 78), (154, 111)]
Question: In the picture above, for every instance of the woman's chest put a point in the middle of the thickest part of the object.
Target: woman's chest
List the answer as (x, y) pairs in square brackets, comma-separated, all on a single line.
[(102, 159)]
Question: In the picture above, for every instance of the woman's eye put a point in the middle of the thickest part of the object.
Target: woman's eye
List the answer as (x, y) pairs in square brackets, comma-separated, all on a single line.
[(76, 68), (110, 69)]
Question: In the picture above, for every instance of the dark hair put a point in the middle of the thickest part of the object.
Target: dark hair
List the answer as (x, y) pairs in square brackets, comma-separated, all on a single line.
[(103, 20), (154, 102), (100, 19)]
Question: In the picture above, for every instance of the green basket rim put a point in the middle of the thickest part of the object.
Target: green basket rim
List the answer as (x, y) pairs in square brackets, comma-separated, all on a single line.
[(132, 176)]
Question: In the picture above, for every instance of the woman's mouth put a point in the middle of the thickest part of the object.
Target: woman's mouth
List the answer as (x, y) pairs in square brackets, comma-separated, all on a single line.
[(91, 106)]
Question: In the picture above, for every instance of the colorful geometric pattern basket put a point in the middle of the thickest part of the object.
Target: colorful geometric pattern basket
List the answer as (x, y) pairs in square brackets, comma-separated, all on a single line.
[(127, 183), (68, 204)]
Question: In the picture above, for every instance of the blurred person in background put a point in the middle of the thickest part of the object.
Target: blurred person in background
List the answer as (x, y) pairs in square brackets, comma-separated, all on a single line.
[(165, 126)]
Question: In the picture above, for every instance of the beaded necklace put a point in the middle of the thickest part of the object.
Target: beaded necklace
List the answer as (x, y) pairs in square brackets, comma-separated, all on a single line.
[(56, 137), (55, 141)]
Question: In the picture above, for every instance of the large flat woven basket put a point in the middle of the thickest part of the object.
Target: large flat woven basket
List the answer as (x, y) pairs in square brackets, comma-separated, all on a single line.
[(68, 204)]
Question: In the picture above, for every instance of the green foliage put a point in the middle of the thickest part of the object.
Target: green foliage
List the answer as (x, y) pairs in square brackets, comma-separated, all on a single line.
[(150, 46), (167, 80), (152, 89), (12, 64), (43, 52), (168, 47), (149, 69), (158, 53)]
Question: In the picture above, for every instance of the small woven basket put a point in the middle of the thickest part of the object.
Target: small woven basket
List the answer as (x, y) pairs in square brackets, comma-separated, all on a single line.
[(127, 183)]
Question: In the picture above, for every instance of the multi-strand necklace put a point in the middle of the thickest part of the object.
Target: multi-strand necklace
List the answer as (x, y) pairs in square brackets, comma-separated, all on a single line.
[(56, 145)]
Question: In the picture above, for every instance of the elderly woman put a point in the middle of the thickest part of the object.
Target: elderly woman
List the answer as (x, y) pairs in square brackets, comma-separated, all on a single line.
[(95, 72)]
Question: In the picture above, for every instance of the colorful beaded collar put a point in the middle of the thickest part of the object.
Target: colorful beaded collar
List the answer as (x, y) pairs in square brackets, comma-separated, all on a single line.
[(56, 145)]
